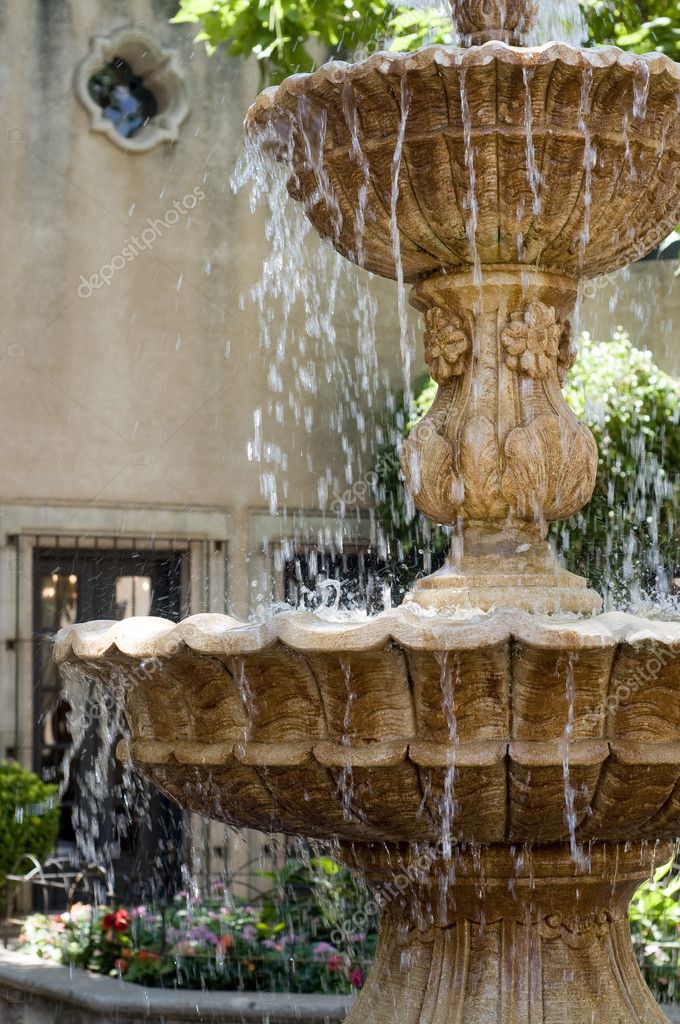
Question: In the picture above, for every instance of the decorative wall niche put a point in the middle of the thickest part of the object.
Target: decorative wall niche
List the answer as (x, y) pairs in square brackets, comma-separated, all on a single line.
[(134, 90)]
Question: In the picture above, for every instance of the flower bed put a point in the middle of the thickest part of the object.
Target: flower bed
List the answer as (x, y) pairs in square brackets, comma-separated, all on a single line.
[(281, 944), (298, 938)]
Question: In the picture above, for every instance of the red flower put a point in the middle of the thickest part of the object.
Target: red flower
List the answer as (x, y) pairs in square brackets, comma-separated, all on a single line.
[(148, 954), (121, 965), (356, 978), (334, 963), (119, 921)]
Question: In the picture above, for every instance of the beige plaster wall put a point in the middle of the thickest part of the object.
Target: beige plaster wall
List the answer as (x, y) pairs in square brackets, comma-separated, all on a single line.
[(143, 392)]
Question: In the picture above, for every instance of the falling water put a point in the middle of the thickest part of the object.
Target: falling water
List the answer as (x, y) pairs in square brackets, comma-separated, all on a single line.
[(470, 202), (533, 173), (448, 805), (247, 701), (640, 90), (560, 20), (589, 156), (346, 776), (96, 724), (628, 153), (302, 289), (404, 345), (351, 112), (578, 853)]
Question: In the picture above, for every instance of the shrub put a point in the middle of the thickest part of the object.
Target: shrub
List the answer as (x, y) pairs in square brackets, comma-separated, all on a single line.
[(655, 922), (625, 540), (29, 817)]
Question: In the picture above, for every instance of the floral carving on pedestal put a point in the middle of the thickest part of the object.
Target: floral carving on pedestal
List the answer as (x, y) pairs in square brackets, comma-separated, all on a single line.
[(447, 345), (532, 340)]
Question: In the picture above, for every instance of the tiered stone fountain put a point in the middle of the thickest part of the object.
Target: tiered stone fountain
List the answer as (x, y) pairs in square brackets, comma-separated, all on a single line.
[(502, 761)]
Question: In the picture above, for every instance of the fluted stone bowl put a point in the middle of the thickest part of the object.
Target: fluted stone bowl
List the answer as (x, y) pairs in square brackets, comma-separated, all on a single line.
[(503, 727), (572, 156)]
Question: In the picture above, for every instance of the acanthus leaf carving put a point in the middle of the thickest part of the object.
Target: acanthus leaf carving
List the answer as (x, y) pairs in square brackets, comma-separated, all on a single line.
[(550, 468), (430, 474), (480, 468)]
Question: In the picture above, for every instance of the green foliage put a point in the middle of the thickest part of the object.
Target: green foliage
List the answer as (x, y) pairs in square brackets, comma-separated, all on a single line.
[(655, 924), (626, 538), (29, 817), (291, 940), (642, 27), (279, 33)]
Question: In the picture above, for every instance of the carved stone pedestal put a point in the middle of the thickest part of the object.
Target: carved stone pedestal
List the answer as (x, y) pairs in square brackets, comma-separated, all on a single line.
[(500, 454), (506, 936)]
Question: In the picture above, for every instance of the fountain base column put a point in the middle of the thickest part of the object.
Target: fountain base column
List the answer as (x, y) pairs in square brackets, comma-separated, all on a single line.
[(506, 936)]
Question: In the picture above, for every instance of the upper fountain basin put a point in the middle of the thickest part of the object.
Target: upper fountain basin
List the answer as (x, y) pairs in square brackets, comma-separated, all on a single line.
[(569, 159), (492, 727)]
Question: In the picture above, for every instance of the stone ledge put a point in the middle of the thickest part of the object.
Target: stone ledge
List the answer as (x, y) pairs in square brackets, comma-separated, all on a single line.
[(47, 988), (28, 981)]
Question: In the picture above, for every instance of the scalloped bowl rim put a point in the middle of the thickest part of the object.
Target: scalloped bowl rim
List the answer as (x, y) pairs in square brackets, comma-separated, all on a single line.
[(215, 634), (454, 56)]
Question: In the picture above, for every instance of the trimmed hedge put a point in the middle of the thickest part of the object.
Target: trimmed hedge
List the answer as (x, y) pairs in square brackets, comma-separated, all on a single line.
[(29, 817)]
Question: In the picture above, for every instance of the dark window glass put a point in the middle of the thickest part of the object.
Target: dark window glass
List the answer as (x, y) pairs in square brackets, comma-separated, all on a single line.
[(123, 97), (75, 586)]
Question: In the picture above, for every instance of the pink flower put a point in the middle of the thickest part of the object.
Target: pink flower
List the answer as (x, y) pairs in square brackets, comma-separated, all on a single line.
[(356, 978), (321, 949), (335, 963)]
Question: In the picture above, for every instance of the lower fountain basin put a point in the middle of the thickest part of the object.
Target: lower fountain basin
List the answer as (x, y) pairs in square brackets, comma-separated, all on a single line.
[(486, 728)]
